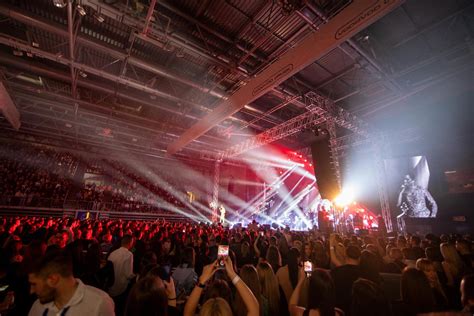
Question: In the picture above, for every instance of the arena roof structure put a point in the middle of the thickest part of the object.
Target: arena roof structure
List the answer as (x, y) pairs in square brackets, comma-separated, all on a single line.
[(188, 77)]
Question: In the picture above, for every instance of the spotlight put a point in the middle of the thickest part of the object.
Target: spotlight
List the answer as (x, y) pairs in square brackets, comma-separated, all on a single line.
[(99, 18), (81, 10), (82, 74), (59, 3), (345, 198)]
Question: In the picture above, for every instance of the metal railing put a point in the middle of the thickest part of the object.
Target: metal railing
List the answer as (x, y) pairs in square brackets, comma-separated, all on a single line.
[(74, 204)]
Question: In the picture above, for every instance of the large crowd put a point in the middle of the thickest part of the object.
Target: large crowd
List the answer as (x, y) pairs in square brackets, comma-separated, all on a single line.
[(38, 176), (33, 176), (64, 266)]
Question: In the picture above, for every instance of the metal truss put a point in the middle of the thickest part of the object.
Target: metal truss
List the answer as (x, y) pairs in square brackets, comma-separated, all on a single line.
[(348, 142), (380, 150), (215, 192), (331, 127), (320, 109), (271, 135)]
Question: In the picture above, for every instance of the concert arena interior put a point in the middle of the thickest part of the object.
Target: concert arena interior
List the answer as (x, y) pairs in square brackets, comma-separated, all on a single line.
[(236, 157)]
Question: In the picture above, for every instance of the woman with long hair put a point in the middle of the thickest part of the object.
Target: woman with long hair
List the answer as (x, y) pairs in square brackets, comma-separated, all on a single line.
[(270, 289), (218, 306), (150, 296), (273, 257), (249, 275), (215, 307), (428, 268), (453, 265), (288, 274), (321, 295), (416, 294)]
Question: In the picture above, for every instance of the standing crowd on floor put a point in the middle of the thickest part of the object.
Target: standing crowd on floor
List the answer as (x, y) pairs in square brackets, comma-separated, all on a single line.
[(64, 266)]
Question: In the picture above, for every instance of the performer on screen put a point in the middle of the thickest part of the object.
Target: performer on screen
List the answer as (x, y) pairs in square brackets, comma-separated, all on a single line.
[(412, 202)]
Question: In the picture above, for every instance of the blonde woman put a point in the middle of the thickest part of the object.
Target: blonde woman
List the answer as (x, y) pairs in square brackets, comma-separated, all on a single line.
[(218, 306), (453, 266), (270, 289), (429, 270), (249, 276)]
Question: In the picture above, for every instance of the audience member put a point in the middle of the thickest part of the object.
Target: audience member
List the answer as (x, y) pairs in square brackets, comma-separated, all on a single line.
[(122, 260), (321, 295), (368, 299), (59, 293), (467, 293)]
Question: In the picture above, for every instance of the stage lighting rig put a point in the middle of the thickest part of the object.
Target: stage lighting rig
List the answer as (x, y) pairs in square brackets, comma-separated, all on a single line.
[(59, 3), (99, 18), (80, 9)]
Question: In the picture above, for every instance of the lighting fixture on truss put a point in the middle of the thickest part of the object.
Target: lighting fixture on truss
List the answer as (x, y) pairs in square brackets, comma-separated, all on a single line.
[(99, 17), (59, 3), (81, 10)]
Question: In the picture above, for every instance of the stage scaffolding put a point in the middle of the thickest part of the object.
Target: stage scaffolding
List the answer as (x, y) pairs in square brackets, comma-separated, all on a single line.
[(323, 112)]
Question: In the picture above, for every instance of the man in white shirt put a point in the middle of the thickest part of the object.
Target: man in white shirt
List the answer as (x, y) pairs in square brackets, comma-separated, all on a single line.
[(59, 293), (122, 259)]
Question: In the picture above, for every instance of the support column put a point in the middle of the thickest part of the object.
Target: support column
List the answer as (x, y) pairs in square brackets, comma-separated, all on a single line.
[(215, 192), (381, 149), (331, 127)]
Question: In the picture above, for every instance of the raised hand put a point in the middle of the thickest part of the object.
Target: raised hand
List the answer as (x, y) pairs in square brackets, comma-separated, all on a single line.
[(207, 272)]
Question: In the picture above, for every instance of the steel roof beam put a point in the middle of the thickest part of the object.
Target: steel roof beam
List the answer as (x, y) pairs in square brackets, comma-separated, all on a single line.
[(357, 48), (59, 29), (12, 42), (353, 18)]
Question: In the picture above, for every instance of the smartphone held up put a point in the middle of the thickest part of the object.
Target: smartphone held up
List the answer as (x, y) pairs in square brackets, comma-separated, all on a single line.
[(308, 268), (222, 254)]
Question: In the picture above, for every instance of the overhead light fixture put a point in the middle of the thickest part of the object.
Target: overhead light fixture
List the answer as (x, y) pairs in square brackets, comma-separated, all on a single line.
[(35, 44), (59, 3), (81, 10), (99, 17), (17, 53), (82, 74)]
